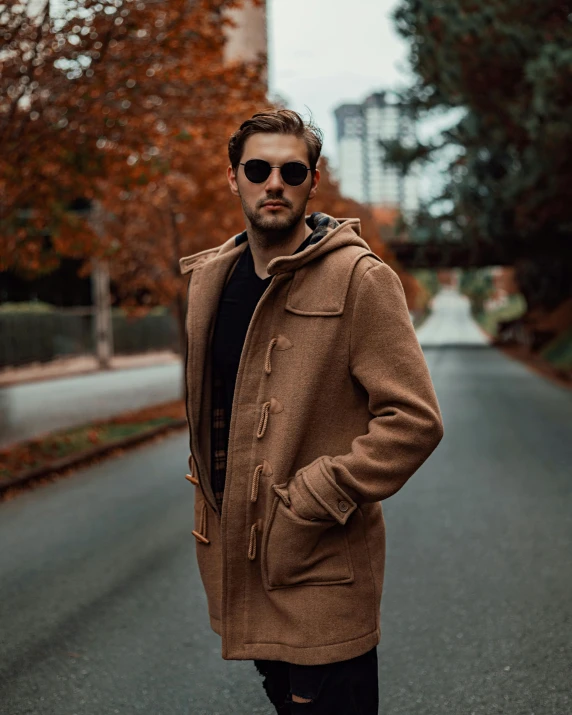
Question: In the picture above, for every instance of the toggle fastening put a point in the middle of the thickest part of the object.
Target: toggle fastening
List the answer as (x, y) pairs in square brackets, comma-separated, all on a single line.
[(263, 424), (252, 542), (267, 362), (255, 482), (201, 534)]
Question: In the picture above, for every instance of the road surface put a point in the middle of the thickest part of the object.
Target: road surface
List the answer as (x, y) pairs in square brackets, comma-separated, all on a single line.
[(450, 322), (102, 611)]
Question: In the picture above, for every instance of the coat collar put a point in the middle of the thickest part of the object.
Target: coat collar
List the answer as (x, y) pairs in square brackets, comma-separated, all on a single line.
[(187, 264), (347, 232), (341, 246)]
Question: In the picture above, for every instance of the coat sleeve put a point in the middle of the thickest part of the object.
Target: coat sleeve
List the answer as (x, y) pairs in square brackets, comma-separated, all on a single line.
[(406, 423)]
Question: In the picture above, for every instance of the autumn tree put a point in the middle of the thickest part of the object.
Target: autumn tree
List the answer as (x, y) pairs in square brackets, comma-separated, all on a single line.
[(125, 105), (99, 99)]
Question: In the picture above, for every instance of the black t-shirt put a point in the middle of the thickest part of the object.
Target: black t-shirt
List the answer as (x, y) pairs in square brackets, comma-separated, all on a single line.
[(236, 307), (237, 304)]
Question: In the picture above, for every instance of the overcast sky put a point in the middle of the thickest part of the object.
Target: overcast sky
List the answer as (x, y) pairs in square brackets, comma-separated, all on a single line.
[(327, 52)]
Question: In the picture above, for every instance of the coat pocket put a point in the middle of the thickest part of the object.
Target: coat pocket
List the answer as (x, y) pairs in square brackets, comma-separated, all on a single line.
[(298, 551)]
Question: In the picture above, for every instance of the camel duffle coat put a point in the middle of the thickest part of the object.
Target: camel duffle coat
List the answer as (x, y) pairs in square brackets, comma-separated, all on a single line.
[(333, 411)]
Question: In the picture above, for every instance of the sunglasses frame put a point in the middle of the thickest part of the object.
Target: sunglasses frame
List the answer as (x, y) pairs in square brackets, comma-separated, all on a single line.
[(300, 163)]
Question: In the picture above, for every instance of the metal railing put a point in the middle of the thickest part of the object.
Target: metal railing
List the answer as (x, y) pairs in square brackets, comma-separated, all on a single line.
[(28, 337)]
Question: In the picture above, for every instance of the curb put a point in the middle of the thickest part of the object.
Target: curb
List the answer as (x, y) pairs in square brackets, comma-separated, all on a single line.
[(76, 460), (20, 380)]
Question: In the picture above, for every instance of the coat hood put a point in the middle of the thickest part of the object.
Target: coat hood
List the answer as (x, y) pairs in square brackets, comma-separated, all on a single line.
[(335, 234)]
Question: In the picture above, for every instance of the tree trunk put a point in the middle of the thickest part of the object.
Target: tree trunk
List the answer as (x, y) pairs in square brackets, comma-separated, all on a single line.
[(180, 314)]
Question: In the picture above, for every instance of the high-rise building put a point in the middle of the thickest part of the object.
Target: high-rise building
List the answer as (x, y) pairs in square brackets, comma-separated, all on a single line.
[(363, 173), (351, 130)]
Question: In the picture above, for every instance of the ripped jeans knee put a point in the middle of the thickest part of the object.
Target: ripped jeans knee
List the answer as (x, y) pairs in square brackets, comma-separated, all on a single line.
[(341, 688), (298, 699), (307, 685)]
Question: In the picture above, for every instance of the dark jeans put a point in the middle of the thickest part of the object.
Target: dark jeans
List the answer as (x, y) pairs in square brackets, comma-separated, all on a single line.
[(349, 687)]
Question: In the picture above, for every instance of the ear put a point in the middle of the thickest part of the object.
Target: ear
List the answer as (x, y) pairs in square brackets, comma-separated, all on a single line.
[(315, 182), (231, 176)]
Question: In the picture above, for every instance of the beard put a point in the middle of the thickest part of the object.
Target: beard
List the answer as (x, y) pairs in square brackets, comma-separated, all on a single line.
[(272, 231)]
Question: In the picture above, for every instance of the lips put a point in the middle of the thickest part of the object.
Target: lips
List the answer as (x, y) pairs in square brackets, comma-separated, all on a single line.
[(274, 204)]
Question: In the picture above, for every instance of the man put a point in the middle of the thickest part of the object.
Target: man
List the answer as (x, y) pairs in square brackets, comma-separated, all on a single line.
[(309, 402)]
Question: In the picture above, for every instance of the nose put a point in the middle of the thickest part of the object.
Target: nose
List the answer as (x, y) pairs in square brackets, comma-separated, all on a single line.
[(274, 181)]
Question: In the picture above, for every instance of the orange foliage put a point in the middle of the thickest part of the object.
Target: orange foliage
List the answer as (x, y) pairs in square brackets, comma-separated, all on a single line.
[(129, 105), (104, 103), (504, 279)]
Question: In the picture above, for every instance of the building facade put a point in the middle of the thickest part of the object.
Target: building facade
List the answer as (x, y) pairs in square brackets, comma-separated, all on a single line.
[(363, 173), (249, 36)]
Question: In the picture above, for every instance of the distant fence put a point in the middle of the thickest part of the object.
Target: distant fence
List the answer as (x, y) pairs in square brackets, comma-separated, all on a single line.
[(27, 337)]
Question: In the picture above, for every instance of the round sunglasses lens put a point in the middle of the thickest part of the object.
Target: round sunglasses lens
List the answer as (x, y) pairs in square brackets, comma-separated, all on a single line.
[(294, 173), (257, 170)]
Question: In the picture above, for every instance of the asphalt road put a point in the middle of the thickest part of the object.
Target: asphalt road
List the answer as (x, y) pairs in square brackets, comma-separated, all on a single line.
[(450, 322), (102, 611), (31, 409)]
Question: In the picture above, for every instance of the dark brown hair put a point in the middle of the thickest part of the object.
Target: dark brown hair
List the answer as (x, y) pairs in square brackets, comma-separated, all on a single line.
[(276, 121)]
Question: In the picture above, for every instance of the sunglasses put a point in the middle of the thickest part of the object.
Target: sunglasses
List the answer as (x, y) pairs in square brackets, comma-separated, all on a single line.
[(294, 173)]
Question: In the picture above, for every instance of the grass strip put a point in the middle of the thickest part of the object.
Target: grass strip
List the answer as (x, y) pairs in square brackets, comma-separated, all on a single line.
[(47, 450)]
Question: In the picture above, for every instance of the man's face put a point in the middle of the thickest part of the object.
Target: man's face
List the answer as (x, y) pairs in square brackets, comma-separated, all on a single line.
[(273, 208)]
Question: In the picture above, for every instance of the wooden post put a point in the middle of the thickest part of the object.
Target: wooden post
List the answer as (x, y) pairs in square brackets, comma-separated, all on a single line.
[(103, 327)]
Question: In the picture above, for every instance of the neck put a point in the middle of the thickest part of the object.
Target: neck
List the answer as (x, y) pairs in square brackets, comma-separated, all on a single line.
[(263, 250)]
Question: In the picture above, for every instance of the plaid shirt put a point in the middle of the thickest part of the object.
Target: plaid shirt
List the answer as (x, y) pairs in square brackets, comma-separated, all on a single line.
[(321, 224)]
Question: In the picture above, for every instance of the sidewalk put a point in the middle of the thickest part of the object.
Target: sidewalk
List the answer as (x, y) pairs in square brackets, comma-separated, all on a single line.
[(83, 365), (78, 393)]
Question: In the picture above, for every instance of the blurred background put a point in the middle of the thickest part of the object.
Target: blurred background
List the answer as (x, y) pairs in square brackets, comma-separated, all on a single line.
[(448, 132)]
